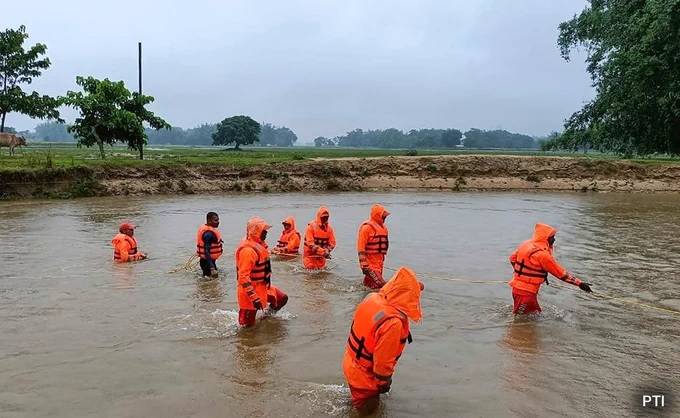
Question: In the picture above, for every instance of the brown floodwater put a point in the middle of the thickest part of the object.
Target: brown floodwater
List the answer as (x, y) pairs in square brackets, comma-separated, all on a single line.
[(80, 336)]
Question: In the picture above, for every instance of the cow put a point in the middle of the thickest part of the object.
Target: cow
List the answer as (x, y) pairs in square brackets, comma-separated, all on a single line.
[(11, 141)]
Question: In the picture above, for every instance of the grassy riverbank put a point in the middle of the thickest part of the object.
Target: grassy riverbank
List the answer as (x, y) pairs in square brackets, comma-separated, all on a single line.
[(63, 170), (51, 155)]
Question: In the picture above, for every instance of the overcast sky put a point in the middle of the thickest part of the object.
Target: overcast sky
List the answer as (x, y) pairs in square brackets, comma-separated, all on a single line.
[(319, 67)]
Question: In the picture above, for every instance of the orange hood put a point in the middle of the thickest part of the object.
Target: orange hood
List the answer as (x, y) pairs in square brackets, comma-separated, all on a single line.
[(402, 292), (541, 234), (255, 227), (320, 212), (291, 221), (377, 213)]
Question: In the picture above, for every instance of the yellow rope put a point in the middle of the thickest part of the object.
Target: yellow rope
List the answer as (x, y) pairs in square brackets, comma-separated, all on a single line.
[(193, 262), (595, 294), (450, 279), (619, 299)]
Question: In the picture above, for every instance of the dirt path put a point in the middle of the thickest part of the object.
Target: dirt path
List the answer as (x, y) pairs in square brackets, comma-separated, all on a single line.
[(468, 172)]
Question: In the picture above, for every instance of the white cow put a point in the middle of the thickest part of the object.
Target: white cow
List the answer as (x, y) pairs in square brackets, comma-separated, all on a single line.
[(11, 141)]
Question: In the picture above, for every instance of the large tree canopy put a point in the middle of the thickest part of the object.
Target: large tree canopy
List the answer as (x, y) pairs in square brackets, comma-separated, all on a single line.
[(239, 130), (633, 49), (110, 113), (20, 66)]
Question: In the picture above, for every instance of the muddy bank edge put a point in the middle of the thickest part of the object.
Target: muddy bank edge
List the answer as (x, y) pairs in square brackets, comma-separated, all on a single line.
[(451, 173)]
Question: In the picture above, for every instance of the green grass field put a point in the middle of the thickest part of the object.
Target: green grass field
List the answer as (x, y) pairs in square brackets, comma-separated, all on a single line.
[(64, 155)]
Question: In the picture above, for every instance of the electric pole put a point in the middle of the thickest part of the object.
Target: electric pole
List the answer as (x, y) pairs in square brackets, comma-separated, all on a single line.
[(141, 140)]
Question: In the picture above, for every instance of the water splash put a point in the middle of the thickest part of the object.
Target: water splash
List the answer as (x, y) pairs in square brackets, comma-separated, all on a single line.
[(331, 400)]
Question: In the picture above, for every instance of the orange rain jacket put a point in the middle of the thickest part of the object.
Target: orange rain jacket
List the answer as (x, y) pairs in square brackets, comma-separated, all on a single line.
[(533, 260), (380, 330), (318, 242), (373, 242), (253, 267), (289, 243), (125, 248)]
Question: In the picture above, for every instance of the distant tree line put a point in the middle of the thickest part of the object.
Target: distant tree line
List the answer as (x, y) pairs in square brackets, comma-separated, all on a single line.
[(278, 136), (429, 138), (281, 136)]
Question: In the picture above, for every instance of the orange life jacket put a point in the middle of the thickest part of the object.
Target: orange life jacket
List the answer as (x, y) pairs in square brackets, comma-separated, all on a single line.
[(285, 238), (378, 243), (216, 249), (131, 240), (370, 315), (527, 270), (262, 270), (321, 237)]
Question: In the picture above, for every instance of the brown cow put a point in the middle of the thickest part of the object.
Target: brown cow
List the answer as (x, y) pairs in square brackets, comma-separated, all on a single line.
[(11, 141)]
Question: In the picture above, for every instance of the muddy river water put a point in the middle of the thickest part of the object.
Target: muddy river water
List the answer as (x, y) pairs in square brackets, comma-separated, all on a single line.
[(80, 336)]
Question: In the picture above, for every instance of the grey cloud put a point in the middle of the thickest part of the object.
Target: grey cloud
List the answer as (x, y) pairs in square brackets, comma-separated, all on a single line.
[(321, 67)]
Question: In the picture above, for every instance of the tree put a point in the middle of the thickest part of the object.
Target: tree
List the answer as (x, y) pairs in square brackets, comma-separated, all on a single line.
[(321, 141), (277, 136), (109, 113), (284, 137), (431, 138), (52, 131), (136, 134), (477, 138), (451, 138), (201, 135), (19, 66), (241, 130), (634, 62), (267, 134)]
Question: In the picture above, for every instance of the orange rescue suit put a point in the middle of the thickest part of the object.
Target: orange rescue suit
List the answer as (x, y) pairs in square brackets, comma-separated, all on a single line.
[(364, 334), (253, 269), (216, 249), (125, 248), (380, 331), (533, 260), (373, 241), (289, 243), (318, 242)]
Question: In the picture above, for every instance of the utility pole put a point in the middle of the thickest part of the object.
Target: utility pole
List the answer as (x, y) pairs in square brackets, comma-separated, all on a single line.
[(141, 140)]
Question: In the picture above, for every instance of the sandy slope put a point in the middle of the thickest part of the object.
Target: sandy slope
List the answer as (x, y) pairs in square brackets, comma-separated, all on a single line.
[(468, 172)]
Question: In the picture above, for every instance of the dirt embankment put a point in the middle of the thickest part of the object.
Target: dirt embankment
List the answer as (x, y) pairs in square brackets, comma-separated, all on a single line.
[(469, 172)]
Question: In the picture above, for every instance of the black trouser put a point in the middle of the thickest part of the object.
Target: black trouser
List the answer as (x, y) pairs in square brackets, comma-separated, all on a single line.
[(205, 267)]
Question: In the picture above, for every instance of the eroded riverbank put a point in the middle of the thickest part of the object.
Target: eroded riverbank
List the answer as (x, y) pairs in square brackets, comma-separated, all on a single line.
[(457, 173)]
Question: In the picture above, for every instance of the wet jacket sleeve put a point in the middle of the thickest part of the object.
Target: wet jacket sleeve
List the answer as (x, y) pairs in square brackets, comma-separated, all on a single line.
[(293, 243), (246, 262), (364, 235), (386, 349), (309, 241), (208, 239), (331, 238), (551, 266)]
